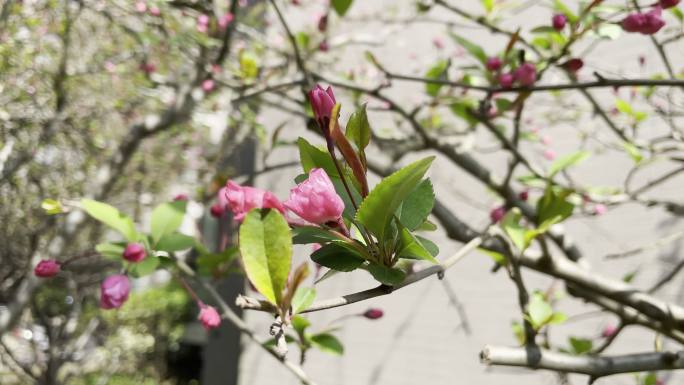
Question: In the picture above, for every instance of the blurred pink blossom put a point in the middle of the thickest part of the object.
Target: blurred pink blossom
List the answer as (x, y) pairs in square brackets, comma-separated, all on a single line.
[(315, 200)]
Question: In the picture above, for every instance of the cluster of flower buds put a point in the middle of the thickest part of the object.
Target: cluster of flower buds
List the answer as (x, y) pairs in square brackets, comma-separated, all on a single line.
[(524, 75), (645, 23)]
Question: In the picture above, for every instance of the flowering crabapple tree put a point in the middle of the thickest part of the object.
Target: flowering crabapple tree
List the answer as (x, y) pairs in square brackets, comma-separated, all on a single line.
[(180, 59)]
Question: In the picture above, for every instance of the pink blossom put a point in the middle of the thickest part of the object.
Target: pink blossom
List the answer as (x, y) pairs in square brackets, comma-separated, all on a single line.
[(608, 331), (141, 6), (558, 21), (209, 317), (506, 80), (114, 291), (493, 64), (148, 68), (373, 313), (549, 154), (110, 67), (600, 209), (134, 252), (526, 74), (322, 102), (438, 43), (225, 20), (323, 46), (315, 200), (497, 214), (241, 199), (47, 268), (633, 22), (155, 11), (546, 140), (208, 85), (524, 195)]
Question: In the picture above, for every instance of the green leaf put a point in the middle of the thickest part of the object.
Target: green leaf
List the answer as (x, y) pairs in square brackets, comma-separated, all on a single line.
[(303, 39), (539, 311), (111, 217), (208, 263), (651, 379), (417, 205), (677, 13), (410, 247), (544, 29), (266, 248), (111, 250), (249, 66), (553, 205), (427, 226), (633, 152), (581, 345), (299, 324), (377, 210), (328, 343), (474, 49), (518, 332), (52, 207), (302, 299), (174, 242), (488, 5), (341, 6), (624, 107), (567, 161), (386, 275), (430, 246), (436, 72), (358, 128), (462, 107), (312, 157), (167, 218), (558, 318), (145, 267), (312, 234), (511, 225), (337, 257), (499, 258)]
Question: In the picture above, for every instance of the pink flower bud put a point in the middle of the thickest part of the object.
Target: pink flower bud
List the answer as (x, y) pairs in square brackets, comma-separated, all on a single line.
[(180, 197), (549, 154), (114, 291), (645, 23), (573, 65), (668, 3), (526, 74), (524, 195), (203, 19), (202, 28), (315, 200), (506, 80), (546, 140), (323, 46), (493, 64), (217, 210), (497, 214), (558, 21), (322, 23), (608, 331), (241, 199), (134, 252), (148, 68), (600, 209), (633, 22), (208, 85), (141, 6), (373, 313), (438, 43), (322, 102), (155, 11), (209, 317), (225, 20), (654, 21), (47, 268)]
